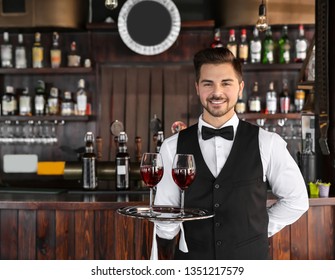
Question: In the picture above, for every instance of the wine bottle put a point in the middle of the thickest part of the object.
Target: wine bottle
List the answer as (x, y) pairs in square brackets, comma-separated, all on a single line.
[(122, 163), (8, 103), (255, 47), (271, 100), (243, 50), (38, 52), (232, 45), (268, 48), (284, 47), (55, 51), (301, 45), (255, 104), (20, 53), (89, 169), (40, 100), (217, 43), (81, 98), (25, 103)]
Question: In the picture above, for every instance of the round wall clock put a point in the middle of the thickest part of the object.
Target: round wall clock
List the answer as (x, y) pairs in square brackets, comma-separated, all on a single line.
[(149, 27)]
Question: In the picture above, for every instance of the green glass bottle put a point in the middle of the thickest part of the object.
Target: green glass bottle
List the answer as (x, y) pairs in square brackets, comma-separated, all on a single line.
[(284, 47), (268, 47)]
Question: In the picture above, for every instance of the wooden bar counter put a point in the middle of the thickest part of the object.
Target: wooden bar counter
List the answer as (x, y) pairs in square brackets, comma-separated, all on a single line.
[(85, 225)]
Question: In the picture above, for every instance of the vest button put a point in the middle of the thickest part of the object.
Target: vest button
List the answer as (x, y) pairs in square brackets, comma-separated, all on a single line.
[(217, 224), (216, 205), (218, 243), (217, 186)]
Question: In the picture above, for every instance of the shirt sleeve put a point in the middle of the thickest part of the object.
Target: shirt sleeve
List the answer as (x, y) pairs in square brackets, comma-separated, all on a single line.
[(285, 180)]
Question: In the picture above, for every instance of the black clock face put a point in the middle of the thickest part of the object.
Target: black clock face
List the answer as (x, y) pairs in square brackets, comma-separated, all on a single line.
[(149, 27)]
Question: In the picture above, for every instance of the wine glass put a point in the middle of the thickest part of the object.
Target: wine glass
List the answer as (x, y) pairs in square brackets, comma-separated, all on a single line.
[(151, 170), (183, 173)]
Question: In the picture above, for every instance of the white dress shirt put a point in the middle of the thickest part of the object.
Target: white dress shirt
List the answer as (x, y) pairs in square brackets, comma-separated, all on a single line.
[(279, 168)]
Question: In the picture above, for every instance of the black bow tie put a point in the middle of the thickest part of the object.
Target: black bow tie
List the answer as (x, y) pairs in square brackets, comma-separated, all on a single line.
[(225, 132)]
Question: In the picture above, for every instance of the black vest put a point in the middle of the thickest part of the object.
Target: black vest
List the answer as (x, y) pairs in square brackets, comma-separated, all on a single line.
[(237, 196)]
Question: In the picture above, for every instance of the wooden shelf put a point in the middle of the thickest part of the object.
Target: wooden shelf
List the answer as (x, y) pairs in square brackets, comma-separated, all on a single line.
[(198, 24), (271, 67), (46, 118), (255, 116), (46, 71)]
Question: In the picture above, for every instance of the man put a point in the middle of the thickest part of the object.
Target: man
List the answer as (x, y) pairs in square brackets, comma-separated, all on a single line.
[(233, 174)]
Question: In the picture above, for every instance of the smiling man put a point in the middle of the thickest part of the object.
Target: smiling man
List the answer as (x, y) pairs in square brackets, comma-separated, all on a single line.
[(236, 164)]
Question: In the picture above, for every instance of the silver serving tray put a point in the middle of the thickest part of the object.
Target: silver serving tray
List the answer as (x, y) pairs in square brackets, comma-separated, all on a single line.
[(165, 213)]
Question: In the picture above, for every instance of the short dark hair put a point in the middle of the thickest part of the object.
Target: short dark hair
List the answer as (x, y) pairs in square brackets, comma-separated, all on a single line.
[(216, 56)]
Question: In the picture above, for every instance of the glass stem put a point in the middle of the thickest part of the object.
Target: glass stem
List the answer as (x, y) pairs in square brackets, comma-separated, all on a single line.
[(182, 212), (151, 200)]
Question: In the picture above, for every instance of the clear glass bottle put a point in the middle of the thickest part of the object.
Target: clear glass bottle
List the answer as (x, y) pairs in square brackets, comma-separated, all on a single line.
[(40, 98), (284, 99), (89, 167), (122, 163), (255, 47), (38, 52), (160, 139), (243, 50), (284, 47), (255, 104), (268, 47), (217, 43), (73, 58), (20, 53), (301, 45), (81, 96), (55, 51), (232, 44), (8, 103), (271, 100), (6, 52), (53, 102), (25, 103), (67, 106)]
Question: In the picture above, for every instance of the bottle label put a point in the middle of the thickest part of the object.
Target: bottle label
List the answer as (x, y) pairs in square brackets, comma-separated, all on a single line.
[(271, 105), (56, 57), (39, 103), (255, 105), (37, 57), (82, 102), (8, 107), (73, 60), (240, 107), (121, 170), (233, 49), (20, 58), (6, 56), (243, 52), (25, 107)]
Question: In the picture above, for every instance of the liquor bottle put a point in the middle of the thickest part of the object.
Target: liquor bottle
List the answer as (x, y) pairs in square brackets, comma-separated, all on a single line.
[(55, 51), (284, 47), (217, 43), (240, 106), (6, 52), (232, 45), (284, 99), (268, 47), (255, 104), (20, 53), (301, 45), (73, 59), (243, 50), (160, 139), (271, 100), (81, 96), (53, 102), (255, 47), (89, 167), (67, 106), (38, 52), (8, 103), (299, 99), (122, 163), (40, 99), (25, 103)]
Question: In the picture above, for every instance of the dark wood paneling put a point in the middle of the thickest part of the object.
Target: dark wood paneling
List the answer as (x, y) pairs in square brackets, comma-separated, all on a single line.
[(45, 239), (8, 234), (65, 235), (104, 235), (299, 239), (84, 235), (320, 229), (27, 235), (281, 245)]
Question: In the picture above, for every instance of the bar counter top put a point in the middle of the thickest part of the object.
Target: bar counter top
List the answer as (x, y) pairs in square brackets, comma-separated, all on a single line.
[(17, 198)]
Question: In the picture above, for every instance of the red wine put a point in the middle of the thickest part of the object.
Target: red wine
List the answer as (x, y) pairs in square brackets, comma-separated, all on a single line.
[(151, 175), (183, 177)]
